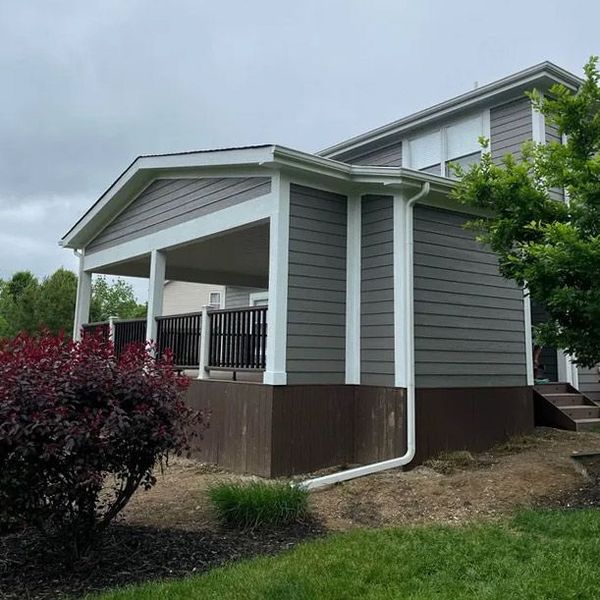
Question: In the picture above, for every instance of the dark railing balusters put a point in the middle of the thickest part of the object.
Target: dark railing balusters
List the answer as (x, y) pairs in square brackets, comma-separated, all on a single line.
[(238, 338), (180, 334)]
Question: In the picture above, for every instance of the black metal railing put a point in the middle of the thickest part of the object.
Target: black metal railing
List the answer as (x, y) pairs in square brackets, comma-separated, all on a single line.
[(180, 334), (101, 329), (238, 338), (129, 331)]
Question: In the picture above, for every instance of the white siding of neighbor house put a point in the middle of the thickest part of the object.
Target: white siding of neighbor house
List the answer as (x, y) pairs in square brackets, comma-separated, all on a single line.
[(589, 382), (239, 297), (182, 297)]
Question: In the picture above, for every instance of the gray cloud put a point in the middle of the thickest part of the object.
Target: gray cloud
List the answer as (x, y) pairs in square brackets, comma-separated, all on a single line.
[(88, 86)]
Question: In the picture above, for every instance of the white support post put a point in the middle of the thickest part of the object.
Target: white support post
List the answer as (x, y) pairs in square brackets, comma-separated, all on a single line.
[(528, 336), (111, 328), (279, 228), (204, 344), (83, 301), (353, 289), (400, 291), (155, 292)]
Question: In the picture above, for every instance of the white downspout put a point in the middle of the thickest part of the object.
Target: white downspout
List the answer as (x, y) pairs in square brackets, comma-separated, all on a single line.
[(411, 447)]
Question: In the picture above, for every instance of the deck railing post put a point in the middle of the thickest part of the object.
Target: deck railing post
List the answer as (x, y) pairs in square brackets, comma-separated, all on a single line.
[(204, 344), (111, 328)]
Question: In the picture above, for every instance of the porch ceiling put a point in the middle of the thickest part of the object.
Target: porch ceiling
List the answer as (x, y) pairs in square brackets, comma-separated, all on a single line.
[(238, 257)]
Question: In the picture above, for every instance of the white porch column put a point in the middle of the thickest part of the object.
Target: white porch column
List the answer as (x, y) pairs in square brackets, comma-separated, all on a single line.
[(567, 369), (83, 300), (528, 336), (156, 286), (204, 344), (279, 228), (353, 288), (402, 310)]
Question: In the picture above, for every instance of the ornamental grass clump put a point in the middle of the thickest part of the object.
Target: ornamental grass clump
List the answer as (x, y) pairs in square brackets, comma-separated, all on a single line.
[(81, 430), (259, 504)]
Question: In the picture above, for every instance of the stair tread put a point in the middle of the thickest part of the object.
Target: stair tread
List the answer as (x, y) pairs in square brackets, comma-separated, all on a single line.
[(563, 394), (572, 406), (596, 420)]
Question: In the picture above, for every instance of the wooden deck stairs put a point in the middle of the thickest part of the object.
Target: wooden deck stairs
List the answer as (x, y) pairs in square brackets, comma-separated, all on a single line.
[(562, 406)]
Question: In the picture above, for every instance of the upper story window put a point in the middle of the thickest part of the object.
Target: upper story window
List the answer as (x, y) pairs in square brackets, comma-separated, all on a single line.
[(457, 142)]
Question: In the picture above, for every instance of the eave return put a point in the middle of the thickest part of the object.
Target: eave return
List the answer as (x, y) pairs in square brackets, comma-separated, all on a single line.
[(562, 406)]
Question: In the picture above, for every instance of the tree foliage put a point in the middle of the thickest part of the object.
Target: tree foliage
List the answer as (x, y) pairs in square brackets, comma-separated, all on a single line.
[(28, 305), (81, 430), (551, 245)]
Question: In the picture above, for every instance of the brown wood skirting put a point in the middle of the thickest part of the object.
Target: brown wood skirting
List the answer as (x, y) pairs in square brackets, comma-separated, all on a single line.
[(470, 418), (277, 431)]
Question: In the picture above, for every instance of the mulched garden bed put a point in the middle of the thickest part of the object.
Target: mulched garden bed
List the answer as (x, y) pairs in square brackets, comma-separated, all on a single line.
[(131, 555)]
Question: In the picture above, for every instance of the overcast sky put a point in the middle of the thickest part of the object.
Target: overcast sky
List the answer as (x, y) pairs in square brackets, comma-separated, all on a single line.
[(87, 86)]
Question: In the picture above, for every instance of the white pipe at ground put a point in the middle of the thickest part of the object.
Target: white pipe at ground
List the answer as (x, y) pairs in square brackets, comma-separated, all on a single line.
[(407, 457)]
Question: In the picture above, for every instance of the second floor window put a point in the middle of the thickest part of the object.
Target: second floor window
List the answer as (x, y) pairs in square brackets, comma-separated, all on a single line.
[(458, 142), (215, 299)]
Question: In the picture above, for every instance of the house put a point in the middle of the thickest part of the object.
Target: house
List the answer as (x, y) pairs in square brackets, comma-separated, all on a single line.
[(373, 320), (180, 297)]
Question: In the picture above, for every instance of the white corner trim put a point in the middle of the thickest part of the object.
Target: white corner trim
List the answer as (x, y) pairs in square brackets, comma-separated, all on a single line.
[(245, 213), (487, 129), (400, 291), (156, 286), (83, 298), (353, 289), (279, 233), (528, 336), (538, 123)]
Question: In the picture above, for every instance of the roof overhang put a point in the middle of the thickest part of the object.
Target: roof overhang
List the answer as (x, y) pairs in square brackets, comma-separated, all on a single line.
[(541, 76), (145, 169)]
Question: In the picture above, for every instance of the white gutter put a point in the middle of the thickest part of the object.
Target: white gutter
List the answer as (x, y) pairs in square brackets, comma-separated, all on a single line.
[(406, 458)]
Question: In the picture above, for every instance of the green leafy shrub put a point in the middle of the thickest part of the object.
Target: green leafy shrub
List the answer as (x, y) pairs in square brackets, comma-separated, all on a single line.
[(258, 504)]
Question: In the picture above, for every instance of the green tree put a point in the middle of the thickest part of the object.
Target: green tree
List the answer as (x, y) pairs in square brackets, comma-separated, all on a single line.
[(114, 299), (551, 246), (18, 298), (55, 305)]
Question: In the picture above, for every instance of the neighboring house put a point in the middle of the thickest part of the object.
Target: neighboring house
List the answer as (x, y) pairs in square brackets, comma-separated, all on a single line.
[(180, 297), (377, 296)]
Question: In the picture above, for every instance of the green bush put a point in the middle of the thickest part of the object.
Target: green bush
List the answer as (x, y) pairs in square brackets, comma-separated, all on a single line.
[(258, 504)]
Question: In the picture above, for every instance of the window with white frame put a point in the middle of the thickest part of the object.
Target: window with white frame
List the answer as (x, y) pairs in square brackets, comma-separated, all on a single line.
[(214, 299), (458, 142)]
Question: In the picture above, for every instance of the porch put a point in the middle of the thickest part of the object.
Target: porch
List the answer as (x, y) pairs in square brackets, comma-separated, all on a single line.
[(212, 342)]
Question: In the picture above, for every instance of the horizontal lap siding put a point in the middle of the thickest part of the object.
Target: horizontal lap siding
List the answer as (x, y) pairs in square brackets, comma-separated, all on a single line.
[(239, 297), (589, 382), (469, 328), (511, 124), (380, 155), (168, 202), (316, 287), (377, 291), (553, 135)]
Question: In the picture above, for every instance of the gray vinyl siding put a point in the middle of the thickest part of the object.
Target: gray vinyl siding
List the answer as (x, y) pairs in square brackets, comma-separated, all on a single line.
[(511, 124), (377, 291), (168, 202), (379, 154), (553, 135), (589, 382), (469, 325), (316, 335), (239, 297)]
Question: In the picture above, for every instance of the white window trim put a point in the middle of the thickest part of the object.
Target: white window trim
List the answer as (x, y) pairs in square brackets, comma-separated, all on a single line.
[(257, 296), (220, 303), (484, 116)]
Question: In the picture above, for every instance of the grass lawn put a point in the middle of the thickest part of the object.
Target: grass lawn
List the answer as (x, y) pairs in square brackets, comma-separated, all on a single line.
[(536, 555)]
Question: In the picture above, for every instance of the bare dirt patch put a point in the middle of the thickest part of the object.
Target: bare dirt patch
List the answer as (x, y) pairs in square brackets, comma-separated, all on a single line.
[(455, 488)]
